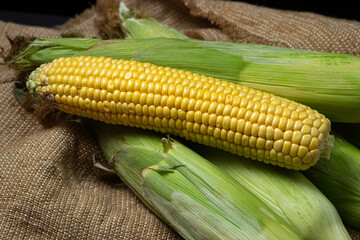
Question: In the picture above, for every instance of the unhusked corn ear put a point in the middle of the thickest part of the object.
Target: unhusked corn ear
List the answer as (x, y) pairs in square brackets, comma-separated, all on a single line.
[(209, 111)]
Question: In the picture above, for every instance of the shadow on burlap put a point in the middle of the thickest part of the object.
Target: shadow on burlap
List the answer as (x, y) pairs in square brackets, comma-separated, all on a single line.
[(49, 188)]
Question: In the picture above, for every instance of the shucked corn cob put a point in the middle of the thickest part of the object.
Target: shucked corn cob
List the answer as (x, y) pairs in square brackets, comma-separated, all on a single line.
[(327, 82), (231, 117)]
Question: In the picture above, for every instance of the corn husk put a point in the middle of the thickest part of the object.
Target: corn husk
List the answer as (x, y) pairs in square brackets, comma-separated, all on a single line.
[(45, 50), (339, 179), (283, 186), (327, 82), (145, 27), (289, 193), (189, 193)]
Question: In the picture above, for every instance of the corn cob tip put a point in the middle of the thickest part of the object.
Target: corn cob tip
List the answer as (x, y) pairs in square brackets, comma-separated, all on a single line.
[(234, 118), (31, 83), (38, 83)]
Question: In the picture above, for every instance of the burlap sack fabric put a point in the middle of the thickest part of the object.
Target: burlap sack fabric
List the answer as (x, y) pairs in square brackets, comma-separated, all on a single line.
[(49, 188)]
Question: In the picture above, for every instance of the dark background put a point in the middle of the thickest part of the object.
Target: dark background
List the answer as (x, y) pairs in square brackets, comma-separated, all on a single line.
[(51, 13)]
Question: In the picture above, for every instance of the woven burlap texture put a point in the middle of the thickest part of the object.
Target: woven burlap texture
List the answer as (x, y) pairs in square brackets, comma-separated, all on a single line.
[(49, 188)]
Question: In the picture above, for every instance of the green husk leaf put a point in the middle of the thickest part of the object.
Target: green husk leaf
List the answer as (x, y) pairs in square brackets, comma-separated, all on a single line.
[(339, 179), (193, 188), (44, 50), (145, 27), (120, 48), (173, 199), (240, 206), (288, 193)]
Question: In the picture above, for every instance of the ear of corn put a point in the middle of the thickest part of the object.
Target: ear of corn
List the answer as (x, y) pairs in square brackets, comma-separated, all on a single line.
[(204, 201), (339, 179), (289, 194), (185, 190), (231, 117), (327, 82)]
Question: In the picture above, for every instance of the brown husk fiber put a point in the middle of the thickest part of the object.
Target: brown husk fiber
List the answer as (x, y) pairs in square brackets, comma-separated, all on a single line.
[(49, 188)]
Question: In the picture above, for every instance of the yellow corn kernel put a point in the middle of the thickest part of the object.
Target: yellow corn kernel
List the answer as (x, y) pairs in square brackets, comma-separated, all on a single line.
[(234, 118)]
